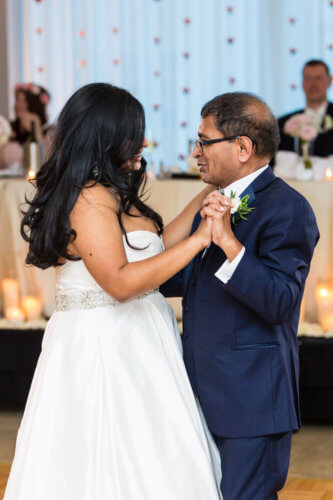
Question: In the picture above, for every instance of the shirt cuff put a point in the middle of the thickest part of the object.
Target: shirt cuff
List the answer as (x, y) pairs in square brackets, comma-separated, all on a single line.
[(228, 268)]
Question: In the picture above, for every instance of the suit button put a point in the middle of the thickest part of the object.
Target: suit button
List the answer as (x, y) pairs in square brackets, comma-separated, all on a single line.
[(186, 309)]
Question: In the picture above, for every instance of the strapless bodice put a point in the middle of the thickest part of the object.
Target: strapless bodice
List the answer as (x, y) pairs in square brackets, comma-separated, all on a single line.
[(73, 276)]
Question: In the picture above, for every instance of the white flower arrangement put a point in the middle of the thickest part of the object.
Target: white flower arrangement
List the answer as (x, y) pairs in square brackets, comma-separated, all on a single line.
[(5, 131)]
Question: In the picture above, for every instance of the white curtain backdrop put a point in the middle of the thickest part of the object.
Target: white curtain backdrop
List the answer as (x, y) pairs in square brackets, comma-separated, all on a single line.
[(173, 55)]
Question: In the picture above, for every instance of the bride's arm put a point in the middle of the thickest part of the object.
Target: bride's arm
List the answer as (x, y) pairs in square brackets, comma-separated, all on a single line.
[(180, 227), (99, 242)]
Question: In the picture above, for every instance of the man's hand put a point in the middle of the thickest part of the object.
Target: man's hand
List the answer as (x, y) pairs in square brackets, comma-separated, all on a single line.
[(217, 201), (217, 207)]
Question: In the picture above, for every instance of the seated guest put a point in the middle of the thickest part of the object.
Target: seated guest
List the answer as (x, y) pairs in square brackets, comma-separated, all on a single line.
[(30, 106), (318, 113), (5, 132)]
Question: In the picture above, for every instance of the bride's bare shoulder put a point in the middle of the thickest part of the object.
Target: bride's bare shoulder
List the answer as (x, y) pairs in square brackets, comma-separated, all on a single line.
[(97, 196)]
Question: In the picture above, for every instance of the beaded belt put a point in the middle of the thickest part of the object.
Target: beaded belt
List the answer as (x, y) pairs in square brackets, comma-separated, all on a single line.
[(90, 299)]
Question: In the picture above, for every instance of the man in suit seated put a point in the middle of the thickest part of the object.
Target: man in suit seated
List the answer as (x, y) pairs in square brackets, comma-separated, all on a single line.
[(316, 82)]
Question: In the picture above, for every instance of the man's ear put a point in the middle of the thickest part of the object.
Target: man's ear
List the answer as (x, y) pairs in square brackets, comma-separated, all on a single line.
[(245, 148)]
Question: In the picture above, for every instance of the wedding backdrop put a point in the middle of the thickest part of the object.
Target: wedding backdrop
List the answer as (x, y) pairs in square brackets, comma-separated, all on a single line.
[(173, 55)]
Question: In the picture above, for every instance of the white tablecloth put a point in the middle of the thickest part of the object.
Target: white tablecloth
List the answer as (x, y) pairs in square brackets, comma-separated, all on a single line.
[(13, 249), (168, 197)]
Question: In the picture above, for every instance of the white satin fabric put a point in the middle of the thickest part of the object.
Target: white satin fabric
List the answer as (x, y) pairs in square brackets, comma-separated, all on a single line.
[(111, 414)]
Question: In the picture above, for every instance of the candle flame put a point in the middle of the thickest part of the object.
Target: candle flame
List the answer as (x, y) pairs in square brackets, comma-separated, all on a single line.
[(323, 292), (328, 173), (31, 174)]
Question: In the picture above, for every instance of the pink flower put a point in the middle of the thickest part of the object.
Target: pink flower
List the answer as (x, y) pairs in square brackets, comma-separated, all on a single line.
[(303, 119), (44, 98), (291, 126), (307, 132), (295, 123), (34, 89)]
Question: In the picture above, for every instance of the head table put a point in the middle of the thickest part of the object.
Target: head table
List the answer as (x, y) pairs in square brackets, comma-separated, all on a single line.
[(168, 197), (13, 249)]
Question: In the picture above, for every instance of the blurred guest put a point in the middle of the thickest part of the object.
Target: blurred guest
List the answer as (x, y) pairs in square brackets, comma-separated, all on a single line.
[(30, 106), (316, 120), (5, 132)]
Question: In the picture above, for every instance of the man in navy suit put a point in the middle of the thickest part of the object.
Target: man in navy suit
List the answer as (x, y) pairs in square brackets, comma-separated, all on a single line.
[(242, 296), (316, 82)]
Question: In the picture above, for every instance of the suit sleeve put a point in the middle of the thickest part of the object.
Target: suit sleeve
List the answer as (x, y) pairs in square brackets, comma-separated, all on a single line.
[(174, 286), (271, 282)]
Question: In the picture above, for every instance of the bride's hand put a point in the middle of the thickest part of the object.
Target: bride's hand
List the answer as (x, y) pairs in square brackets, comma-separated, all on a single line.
[(215, 201), (204, 232)]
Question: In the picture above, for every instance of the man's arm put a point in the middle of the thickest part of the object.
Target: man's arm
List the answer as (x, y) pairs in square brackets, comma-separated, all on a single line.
[(271, 283)]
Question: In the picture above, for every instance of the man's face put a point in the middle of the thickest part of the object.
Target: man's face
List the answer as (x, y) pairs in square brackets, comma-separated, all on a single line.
[(218, 163), (316, 83)]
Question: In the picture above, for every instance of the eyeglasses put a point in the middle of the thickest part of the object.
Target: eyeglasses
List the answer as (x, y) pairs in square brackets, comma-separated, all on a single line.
[(200, 144)]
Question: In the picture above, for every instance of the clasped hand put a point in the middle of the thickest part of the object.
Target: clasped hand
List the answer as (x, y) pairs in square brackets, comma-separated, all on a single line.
[(216, 223)]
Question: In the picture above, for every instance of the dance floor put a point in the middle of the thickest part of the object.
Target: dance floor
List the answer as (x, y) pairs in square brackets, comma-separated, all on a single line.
[(295, 489), (4, 471), (307, 489)]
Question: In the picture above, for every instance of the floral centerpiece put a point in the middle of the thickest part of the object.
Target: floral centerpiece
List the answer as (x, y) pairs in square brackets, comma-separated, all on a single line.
[(302, 127), (5, 131)]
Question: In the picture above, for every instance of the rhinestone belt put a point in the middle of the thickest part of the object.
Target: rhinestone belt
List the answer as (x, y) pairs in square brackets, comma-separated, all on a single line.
[(90, 299)]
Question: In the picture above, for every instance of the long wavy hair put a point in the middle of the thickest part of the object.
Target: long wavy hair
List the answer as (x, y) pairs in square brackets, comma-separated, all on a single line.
[(100, 128)]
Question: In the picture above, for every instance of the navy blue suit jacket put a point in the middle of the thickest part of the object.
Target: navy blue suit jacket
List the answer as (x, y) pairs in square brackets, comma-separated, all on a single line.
[(240, 338)]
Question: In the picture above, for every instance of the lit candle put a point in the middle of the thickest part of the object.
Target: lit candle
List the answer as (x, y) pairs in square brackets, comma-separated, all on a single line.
[(31, 174), (11, 293), (14, 314), (327, 322), (324, 296), (328, 174), (32, 307)]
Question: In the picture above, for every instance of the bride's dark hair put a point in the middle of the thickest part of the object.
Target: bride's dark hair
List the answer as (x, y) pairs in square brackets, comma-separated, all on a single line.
[(100, 128)]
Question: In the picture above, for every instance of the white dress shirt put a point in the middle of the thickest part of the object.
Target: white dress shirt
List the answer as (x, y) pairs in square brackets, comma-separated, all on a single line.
[(316, 115), (227, 269)]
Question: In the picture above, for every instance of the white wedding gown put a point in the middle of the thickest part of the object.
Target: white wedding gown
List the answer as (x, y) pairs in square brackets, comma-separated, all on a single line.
[(111, 414)]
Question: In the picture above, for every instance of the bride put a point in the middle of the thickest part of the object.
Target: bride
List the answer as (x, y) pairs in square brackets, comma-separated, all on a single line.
[(110, 414)]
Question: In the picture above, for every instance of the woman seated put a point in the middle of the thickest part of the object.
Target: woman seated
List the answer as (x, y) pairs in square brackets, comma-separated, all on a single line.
[(30, 106)]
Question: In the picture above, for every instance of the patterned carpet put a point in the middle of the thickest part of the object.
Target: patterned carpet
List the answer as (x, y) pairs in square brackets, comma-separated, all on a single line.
[(295, 489)]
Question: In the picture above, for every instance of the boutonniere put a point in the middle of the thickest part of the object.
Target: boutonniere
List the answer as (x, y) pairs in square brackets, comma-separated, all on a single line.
[(240, 208), (327, 124)]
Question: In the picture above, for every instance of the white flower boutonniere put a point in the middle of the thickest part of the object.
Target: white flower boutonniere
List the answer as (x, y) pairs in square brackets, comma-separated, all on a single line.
[(240, 208)]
